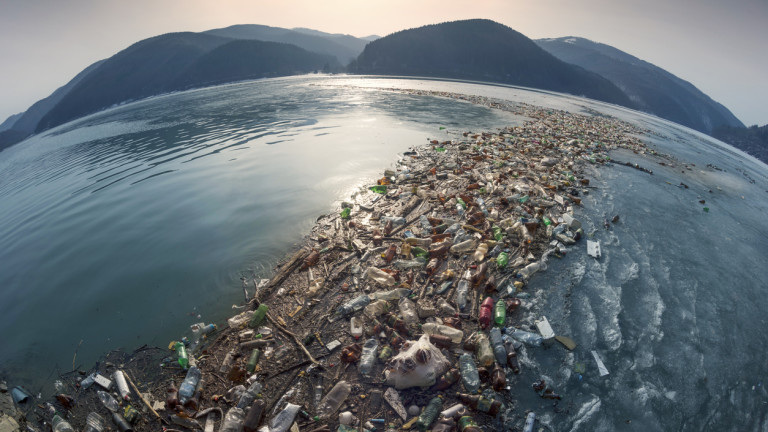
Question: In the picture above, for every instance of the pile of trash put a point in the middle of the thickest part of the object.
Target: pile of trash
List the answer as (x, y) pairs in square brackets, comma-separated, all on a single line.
[(403, 311)]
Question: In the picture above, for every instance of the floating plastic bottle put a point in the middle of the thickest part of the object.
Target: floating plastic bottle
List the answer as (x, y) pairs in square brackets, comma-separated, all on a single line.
[(498, 233), (468, 424), (500, 313), (94, 423), (485, 313), (498, 378), (258, 316), (445, 307), (502, 260), (497, 343), (368, 357), (523, 336), (463, 247), (61, 425), (253, 359), (456, 335), (233, 420), (480, 252), (181, 352), (354, 305), (415, 263), (394, 294), (484, 351), (530, 419), (408, 311), (481, 403), (122, 385), (428, 416), (333, 400), (462, 290), (379, 276), (419, 242), (108, 401), (469, 375), (189, 385), (249, 395)]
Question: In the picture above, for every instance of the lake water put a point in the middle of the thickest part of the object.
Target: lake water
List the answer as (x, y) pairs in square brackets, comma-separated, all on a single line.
[(123, 228)]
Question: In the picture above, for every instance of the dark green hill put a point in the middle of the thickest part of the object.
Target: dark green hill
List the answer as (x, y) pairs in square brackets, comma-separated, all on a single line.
[(179, 61), (651, 88), (344, 47), (480, 50)]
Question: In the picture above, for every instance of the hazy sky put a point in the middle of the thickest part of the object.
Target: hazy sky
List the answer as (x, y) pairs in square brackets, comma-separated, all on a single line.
[(717, 45)]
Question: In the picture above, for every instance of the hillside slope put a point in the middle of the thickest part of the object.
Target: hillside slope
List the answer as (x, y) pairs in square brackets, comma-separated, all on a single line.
[(480, 50)]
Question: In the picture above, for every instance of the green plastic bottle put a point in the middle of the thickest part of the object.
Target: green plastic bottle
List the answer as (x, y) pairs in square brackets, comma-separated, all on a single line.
[(500, 313), (419, 252), (382, 189), (498, 233), (461, 203), (502, 260), (258, 316), (253, 360), (181, 350), (428, 416), (345, 213)]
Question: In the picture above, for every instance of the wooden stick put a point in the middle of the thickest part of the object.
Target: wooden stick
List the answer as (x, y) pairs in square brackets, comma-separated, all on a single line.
[(295, 338), (75, 356), (136, 389)]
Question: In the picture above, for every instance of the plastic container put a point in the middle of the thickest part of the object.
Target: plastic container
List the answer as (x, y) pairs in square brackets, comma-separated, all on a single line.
[(376, 309), (356, 327), (354, 305), (462, 290), (333, 400), (485, 313), (469, 375), (122, 386), (408, 311), (500, 313), (456, 335), (259, 315), (497, 344), (380, 277), (61, 425), (253, 360), (233, 420), (523, 336), (284, 419), (189, 385), (94, 423), (368, 357), (109, 402), (394, 294), (484, 351), (480, 252), (429, 414), (254, 417)]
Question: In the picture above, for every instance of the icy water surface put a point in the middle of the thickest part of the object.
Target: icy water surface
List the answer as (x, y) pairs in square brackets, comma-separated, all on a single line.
[(120, 229)]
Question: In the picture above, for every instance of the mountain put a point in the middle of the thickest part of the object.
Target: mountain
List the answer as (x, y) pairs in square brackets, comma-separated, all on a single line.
[(480, 50), (10, 121), (344, 47), (651, 88), (179, 61), (752, 140), (25, 123)]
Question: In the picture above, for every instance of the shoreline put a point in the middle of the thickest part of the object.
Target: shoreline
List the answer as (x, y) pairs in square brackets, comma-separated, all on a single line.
[(526, 152)]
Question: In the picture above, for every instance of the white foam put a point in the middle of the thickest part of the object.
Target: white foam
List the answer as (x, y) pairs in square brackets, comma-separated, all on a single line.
[(586, 412)]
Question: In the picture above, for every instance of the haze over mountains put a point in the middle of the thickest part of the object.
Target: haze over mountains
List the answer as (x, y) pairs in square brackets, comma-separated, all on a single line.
[(480, 50)]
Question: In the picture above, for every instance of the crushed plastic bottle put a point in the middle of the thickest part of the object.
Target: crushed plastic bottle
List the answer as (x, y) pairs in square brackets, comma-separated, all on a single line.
[(333, 400), (408, 311), (469, 375), (497, 343), (523, 336), (108, 401), (233, 420), (429, 414), (454, 334), (189, 385), (368, 357)]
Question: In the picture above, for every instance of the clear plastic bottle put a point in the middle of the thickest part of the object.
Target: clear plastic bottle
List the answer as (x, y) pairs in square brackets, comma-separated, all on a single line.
[(408, 311), (94, 423), (108, 400), (484, 351), (189, 385), (333, 400), (462, 291), (415, 263), (463, 247), (249, 395), (456, 335), (233, 420), (469, 375), (354, 305), (499, 352), (523, 336), (446, 307), (61, 425), (379, 276), (530, 419), (368, 357), (284, 419), (122, 385), (394, 294)]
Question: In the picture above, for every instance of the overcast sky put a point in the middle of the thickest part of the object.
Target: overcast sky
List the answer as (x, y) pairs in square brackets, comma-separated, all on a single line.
[(717, 45)]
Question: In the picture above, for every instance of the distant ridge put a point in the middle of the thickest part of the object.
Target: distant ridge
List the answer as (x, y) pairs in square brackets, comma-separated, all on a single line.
[(179, 61), (650, 88), (480, 50)]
